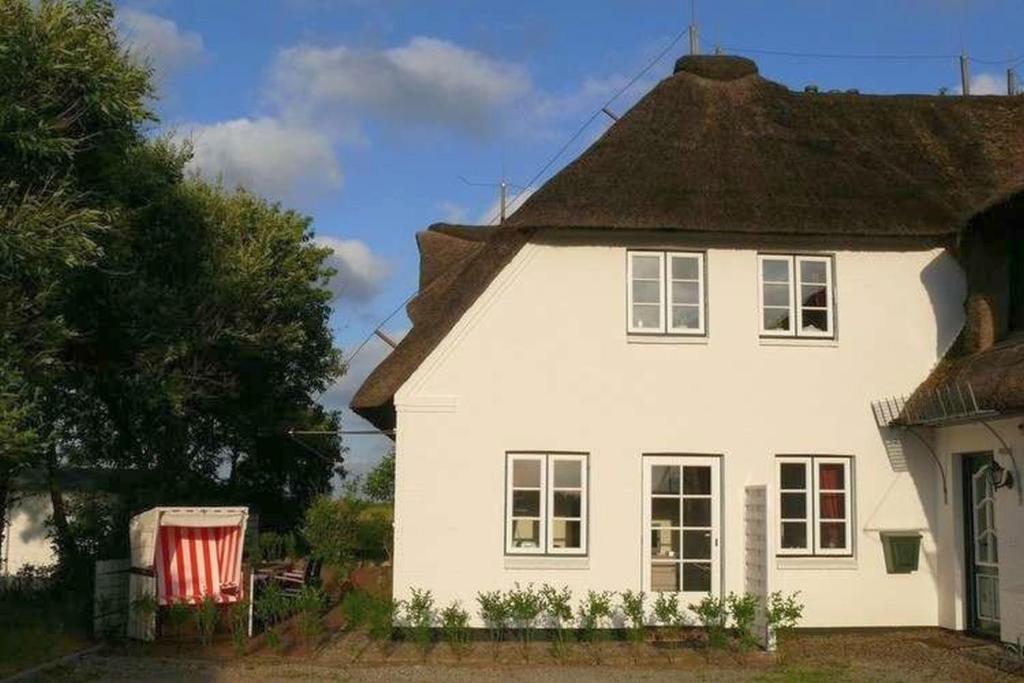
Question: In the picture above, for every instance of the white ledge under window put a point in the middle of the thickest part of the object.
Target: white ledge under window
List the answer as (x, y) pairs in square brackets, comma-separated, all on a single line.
[(798, 341), (546, 562), (820, 562), (699, 340)]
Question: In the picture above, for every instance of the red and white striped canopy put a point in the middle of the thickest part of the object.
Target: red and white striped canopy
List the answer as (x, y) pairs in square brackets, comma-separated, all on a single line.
[(193, 562)]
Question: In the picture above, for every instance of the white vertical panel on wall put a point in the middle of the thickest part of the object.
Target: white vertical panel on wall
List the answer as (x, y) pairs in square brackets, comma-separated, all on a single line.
[(755, 522)]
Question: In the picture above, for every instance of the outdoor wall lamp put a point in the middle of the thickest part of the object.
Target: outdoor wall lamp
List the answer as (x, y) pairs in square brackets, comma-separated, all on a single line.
[(999, 476)]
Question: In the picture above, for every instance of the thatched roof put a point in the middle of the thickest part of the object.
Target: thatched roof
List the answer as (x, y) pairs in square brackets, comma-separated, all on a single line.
[(995, 377), (715, 148)]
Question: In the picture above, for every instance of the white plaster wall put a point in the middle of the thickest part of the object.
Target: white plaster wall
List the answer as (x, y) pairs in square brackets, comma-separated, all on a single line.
[(951, 443), (542, 361), (25, 540)]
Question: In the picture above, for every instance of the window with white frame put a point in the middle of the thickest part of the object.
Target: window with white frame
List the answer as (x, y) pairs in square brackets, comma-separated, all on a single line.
[(815, 505), (796, 296), (546, 504), (666, 292)]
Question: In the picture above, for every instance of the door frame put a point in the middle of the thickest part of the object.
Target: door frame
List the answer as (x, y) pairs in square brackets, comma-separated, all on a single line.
[(971, 620), (716, 463)]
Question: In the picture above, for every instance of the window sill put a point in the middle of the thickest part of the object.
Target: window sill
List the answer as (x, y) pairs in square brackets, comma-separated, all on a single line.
[(823, 562), (798, 341), (699, 339), (546, 562)]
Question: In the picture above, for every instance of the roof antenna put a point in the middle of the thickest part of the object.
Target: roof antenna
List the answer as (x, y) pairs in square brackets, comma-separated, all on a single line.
[(694, 33), (503, 196), (965, 74)]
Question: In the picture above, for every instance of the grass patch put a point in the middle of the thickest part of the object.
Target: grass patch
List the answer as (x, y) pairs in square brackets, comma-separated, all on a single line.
[(807, 674)]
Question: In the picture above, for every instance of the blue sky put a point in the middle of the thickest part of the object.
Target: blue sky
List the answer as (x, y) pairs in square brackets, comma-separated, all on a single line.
[(367, 114)]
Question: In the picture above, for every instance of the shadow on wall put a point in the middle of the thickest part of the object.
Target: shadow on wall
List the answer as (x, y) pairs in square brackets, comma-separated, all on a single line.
[(946, 285)]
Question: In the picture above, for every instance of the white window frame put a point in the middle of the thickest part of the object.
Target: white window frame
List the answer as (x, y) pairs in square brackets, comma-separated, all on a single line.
[(550, 535), (547, 490), (795, 283), (812, 467), (665, 259), (808, 492)]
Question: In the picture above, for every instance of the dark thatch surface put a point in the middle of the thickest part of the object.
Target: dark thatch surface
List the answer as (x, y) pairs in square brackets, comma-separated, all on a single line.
[(748, 155), (715, 149), (996, 375)]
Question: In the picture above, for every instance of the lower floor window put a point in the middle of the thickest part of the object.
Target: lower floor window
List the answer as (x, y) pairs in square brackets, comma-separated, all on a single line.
[(815, 505), (546, 504)]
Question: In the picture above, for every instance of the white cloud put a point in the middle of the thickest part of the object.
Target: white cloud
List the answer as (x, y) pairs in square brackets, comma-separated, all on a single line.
[(985, 84), (361, 273), (493, 213), (452, 212), (267, 156), (427, 81), (158, 40)]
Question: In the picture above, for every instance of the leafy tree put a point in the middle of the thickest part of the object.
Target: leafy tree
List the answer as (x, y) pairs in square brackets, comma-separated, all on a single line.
[(380, 482)]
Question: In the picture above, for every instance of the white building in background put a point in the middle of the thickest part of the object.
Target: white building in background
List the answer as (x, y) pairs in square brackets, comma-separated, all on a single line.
[(700, 310)]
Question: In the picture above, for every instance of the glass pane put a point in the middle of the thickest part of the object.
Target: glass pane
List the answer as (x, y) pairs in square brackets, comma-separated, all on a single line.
[(697, 512), (526, 503), (664, 512), (988, 597), (831, 477), (665, 479), (985, 548), (832, 505), (568, 503), (697, 480), (686, 317), (813, 271), (526, 473), (685, 293), (833, 535), (697, 576), (566, 534), (664, 543), (794, 535), (685, 267), (526, 533), (775, 270), (697, 545), (980, 486), (646, 316), (776, 295), (646, 292), (814, 321), (646, 266), (776, 319), (815, 296), (665, 577), (568, 474), (793, 475), (794, 506)]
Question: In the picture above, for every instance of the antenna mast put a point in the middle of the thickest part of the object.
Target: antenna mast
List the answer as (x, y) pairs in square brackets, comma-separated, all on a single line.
[(694, 32)]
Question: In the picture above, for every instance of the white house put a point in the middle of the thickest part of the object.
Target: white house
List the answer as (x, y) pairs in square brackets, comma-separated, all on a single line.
[(677, 343)]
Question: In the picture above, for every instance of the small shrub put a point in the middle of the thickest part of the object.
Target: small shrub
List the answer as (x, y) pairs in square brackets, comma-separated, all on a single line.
[(667, 613), (178, 614), (144, 607), (272, 605), (270, 546), (381, 618), (495, 614), (524, 608), (419, 613), (744, 614), (206, 616), (592, 614), (355, 608), (713, 614), (332, 528), (310, 604), (455, 624), (782, 612), (557, 613), (635, 614), (238, 615)]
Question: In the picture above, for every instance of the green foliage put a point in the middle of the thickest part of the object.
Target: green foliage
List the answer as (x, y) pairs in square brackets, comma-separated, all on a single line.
[(270, 546), (592, 615), (557, 613), (419, 613), (744, 614), (381, 617), (525, 606), (380, 482), (355, 608), (635, 613), (666, 610), (310, 604), (783, 612), (455, 626), (494, 610), (178, 614), (206, 615), (238, 616), (375, 534), (713, 614), (272, 605), (332, 529), (144, 607)]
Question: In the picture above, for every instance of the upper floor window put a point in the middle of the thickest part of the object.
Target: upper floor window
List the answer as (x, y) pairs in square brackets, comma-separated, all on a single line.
[(546, 504), (666, 292), (814, 505), (796, 294)]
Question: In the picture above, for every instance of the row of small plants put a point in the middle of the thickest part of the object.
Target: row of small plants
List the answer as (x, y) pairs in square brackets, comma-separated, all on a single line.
[(526, 612)]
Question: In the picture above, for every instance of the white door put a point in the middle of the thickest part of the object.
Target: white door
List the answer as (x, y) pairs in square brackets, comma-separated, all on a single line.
[(681, 548)]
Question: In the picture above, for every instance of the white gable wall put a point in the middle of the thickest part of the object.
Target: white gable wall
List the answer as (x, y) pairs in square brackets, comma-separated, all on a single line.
[(542, 362)]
